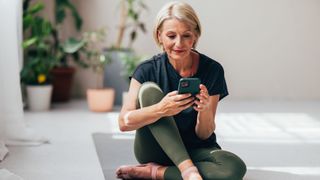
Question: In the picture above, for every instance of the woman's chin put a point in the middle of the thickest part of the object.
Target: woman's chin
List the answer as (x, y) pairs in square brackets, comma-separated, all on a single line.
[(178, 55)]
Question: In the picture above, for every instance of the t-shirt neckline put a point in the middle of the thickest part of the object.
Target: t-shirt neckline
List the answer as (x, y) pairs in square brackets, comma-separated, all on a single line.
[(172, 68)]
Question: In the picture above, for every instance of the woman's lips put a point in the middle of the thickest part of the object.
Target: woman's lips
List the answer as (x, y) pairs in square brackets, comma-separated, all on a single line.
[(178, 51)]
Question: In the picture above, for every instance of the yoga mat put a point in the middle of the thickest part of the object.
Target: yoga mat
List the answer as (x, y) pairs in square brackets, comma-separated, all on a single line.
[(113, 151)]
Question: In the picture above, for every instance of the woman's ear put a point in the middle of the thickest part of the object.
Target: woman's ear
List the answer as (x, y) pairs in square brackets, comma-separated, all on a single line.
[(195, 42), (159, 37)]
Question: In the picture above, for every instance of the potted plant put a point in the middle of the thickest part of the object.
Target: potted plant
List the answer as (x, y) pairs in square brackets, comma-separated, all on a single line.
[(130, 20), (99, 99), (64, 50), (38, 59), (130, 24)]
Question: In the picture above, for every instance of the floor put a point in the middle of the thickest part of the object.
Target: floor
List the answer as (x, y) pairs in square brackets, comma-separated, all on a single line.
[(277, 140)]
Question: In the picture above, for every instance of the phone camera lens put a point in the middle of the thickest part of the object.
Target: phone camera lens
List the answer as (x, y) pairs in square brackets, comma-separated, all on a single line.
[(185, 84)]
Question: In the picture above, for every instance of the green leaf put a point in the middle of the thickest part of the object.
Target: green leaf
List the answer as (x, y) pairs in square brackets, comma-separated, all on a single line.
[(76, 17), (133, 35), (72, 45), (35, 8), (144, 6), (29, 42), (27, 21), (142, 27), (60, 14)]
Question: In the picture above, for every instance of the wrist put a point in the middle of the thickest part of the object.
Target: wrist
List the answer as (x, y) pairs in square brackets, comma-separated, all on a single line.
[(159, 112), (204, 111)]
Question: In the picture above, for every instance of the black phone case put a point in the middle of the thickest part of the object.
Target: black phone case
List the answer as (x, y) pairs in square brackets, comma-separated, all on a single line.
[(189, 85)]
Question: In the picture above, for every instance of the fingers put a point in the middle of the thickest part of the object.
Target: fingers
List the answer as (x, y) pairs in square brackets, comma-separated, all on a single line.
[(172, 93), (186, 105), (202, 101), (203, 87), (200, 104), (181, 97), (178, 97), (186, 101), (202, 98)]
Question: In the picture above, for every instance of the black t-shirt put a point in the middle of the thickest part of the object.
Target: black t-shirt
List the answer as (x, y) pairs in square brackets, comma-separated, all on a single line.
[(159, 70)]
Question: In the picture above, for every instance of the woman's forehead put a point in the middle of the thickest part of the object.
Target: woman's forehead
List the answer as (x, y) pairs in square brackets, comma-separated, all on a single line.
[(175, 25)]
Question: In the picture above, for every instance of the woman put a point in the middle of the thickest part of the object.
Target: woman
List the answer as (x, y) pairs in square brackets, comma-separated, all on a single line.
[(175, 136)]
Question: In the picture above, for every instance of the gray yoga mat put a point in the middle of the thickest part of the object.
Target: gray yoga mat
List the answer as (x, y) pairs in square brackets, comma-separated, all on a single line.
[(114, 150)]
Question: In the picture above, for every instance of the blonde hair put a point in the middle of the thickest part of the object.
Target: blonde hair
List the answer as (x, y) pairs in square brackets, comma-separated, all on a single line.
[(181, 11)]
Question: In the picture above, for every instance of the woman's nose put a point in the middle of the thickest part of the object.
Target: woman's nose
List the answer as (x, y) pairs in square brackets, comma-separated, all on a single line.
[(178, 42)]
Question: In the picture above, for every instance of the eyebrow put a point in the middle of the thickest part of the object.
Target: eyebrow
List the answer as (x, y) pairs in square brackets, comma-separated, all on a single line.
[(188, 31)]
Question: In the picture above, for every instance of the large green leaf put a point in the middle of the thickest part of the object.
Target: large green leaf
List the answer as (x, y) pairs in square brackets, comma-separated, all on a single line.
[(29, 42), (27, 21), (60, 12), (72, 45)]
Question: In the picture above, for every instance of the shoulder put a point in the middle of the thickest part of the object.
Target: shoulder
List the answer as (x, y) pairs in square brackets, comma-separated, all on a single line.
[(210, 64), (152, 63), (147, 70)]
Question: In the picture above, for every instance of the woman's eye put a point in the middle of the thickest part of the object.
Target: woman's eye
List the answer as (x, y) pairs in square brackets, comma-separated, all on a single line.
[(187, 36), (171, 36)]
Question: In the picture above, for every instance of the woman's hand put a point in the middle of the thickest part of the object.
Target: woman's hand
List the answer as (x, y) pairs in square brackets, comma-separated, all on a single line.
[(173, 103), (203, 101)]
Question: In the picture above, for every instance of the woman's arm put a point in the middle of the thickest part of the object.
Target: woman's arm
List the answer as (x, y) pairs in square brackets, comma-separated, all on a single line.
[(206, 119), (131, 118), (206, 106), (137, 118)]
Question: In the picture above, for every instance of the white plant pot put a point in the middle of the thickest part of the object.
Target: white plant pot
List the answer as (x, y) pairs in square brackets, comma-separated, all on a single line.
[(39, 97)]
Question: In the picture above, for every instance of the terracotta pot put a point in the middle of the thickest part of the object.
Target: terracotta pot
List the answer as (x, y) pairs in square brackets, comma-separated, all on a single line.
[(62, 83), (100, 100)]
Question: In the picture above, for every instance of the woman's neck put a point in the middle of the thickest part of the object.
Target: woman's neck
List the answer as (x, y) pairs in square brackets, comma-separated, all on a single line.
[(185, 67)]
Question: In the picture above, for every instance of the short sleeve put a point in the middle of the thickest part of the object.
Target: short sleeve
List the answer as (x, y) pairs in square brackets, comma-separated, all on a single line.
[(144, 72), (218, 85), (139, 74)]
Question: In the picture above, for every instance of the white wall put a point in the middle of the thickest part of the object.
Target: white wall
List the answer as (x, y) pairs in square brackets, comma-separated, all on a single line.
[(270, 49)]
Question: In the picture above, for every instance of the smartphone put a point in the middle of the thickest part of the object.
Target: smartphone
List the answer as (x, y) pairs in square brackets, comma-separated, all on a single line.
[(189, 85)]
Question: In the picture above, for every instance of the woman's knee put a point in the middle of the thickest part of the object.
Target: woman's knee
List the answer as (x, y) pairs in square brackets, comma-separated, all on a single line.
[(228, 166), (235, 168), (149, 93), (224, 174)]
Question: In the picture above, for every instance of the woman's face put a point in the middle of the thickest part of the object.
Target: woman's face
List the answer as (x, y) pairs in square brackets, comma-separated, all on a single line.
[(177, 38)]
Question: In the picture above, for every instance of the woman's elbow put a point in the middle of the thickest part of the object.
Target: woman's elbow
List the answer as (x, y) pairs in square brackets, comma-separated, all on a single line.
[(122, 125), (123, 128), (205, 134)]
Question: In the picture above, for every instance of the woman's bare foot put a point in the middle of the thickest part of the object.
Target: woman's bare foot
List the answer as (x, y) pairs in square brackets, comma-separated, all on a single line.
[(191, 173), (142, 171)]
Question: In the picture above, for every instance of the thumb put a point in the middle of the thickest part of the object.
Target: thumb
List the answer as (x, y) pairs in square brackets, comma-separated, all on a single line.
[(172, 93)]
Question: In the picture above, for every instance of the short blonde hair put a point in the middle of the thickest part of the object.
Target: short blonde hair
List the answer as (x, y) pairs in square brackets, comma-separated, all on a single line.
[(181, 11)]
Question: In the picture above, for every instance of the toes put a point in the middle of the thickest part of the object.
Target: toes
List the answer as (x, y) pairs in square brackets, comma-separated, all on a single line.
[(141, 171), (123, 172)]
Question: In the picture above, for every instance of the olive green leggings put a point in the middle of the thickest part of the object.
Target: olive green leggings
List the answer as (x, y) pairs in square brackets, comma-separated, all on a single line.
[(161, 143)]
